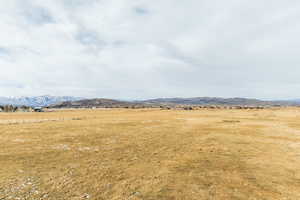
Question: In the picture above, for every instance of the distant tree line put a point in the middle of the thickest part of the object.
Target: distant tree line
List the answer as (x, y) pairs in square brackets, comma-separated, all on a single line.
[(11, 108)]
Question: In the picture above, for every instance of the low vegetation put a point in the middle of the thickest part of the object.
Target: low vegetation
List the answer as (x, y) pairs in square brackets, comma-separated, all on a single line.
[(151, 154)]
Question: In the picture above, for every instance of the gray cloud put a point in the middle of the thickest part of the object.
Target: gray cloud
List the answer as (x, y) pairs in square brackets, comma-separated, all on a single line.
[(144, 49)]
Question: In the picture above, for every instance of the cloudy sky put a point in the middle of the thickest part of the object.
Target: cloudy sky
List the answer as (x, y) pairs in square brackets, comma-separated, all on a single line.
[(150, 48)]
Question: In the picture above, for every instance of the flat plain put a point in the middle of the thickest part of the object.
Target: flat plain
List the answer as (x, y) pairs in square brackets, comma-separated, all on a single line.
[(134, 154)]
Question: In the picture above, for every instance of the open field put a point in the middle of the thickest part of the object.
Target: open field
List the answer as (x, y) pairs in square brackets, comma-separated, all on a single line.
[(151, 154)]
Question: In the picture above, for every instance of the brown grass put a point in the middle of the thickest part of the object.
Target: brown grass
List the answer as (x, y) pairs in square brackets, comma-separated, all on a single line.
[(151, 154)]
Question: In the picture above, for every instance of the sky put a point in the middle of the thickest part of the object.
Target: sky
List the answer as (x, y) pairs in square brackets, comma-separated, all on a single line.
[(139, 49)]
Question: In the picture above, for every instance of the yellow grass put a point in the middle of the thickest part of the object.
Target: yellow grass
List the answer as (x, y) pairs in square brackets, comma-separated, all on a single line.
[(151, 154)]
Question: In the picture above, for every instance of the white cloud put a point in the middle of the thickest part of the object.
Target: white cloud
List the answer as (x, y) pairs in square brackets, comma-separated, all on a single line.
[(143, 49)]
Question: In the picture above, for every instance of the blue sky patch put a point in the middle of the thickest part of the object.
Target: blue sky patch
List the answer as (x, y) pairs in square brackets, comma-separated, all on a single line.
[(89, 38), (3, 51), (141, 11), (38, 16)]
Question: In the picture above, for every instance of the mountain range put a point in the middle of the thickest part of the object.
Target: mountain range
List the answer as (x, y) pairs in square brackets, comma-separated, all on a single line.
[(35, 101), (78, 102), (100, 102)]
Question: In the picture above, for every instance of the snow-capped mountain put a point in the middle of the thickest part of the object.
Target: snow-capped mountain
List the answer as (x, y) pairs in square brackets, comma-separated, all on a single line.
[(36, 100)]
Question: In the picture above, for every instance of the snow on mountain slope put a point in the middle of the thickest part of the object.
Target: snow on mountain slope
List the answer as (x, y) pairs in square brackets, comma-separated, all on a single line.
[(36, 100)]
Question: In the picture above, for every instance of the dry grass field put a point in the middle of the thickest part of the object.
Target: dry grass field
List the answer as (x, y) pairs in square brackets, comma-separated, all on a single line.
[(152, 154)]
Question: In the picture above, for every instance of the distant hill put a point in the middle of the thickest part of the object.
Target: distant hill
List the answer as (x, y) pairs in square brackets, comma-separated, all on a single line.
[(42, 101), (108, 103), (89, 103), (215, 101), (296, 101)]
